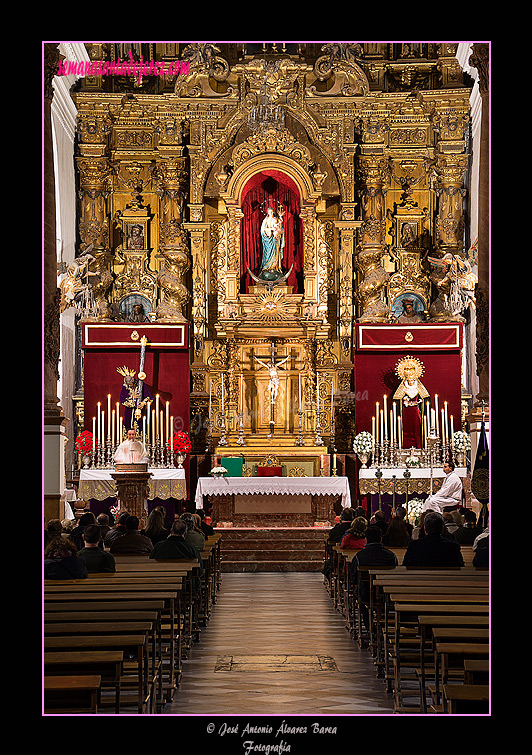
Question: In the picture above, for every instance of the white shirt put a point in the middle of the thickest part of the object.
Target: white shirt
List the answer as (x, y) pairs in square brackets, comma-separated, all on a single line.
[(131, 452), (449, 494)]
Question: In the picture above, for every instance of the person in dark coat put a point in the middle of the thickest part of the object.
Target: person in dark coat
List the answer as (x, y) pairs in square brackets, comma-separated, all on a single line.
[(96, 559), (433, 549), (131, 541), (61, 560), (338, 531), (175, 545)]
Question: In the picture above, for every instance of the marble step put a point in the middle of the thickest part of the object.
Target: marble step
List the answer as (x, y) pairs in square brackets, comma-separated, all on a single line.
[(272, 549)]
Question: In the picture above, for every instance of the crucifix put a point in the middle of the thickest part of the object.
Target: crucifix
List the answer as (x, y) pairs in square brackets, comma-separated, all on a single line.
[(273, 384)]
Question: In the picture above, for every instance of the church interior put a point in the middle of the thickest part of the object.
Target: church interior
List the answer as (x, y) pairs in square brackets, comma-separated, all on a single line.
[(266, 292)]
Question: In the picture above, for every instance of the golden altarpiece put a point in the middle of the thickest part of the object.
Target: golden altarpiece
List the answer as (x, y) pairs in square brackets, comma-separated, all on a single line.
[(364, 150)]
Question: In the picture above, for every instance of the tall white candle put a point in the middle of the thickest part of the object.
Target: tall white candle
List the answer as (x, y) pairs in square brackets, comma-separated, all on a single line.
[(144, 430), (442, 428), (374, 439), (167, 419), (385, 410), (113, 425), (98, 425), (377, 415), (171, 439), (436, 413), (121, 429), (446, 422), (392, 428), (157, 414), (452, 431), (102, 431), (161, 419), (400, 433), (117, 415), (382, 425), (108, 414), (153, 436)]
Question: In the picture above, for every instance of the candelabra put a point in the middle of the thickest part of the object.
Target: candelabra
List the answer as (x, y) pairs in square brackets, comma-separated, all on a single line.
[(240, 441), (319, 439), (208, 447), (407, 474), (378, 475), (299, 440), (223, 439)]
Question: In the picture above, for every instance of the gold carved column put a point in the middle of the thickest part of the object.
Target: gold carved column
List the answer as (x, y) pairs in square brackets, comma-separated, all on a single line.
[(373, 171), (95, 185), (171, 175)]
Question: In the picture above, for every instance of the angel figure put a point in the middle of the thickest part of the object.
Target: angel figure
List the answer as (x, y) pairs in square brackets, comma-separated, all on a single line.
[(73, 285), (273, 384), (455, 282)]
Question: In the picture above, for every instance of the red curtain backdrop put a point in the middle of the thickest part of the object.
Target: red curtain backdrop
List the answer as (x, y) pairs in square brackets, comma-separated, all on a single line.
[(271, 188), (375, 372)]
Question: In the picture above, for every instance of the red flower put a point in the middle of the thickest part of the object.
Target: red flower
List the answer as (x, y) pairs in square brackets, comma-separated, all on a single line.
[(83, 443), (181, 443)]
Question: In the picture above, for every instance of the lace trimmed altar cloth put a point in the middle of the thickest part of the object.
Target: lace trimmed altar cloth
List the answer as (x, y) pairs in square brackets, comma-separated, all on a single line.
[(275, 486), (163, 484)]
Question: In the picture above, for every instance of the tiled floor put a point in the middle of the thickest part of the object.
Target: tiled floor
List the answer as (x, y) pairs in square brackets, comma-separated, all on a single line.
[(275, 646)]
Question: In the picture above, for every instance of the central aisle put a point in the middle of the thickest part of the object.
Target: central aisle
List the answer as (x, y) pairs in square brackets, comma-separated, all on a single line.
[(275, 646)]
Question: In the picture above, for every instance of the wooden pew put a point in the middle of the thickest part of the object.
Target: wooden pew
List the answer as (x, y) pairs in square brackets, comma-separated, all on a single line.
[(426, 625), (107, 664), (129, 644), (71, 694), (449, 654), (90, 592), (466, 698)]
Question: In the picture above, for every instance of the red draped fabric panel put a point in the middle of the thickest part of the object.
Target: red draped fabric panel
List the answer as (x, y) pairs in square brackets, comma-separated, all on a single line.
[(264, 189)]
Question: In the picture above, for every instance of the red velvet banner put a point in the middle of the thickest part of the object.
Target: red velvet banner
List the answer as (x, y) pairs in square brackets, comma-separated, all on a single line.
[(271, 187), (375, 376), (415, 336), (167, 367)]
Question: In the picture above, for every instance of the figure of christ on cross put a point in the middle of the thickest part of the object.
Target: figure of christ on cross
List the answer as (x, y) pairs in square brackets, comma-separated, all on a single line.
[(273, 384)]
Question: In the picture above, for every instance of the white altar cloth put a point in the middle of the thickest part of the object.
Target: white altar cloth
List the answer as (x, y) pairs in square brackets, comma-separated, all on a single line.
[(157, 474), (273, 486), (165, 483)]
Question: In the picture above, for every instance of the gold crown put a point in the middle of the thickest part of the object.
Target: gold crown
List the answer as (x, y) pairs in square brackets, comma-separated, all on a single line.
[(409, 363), (126, 371)]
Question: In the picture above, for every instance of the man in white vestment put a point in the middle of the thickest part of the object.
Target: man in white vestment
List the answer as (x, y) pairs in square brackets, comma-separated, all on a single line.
[(131, 451), (449, 496)]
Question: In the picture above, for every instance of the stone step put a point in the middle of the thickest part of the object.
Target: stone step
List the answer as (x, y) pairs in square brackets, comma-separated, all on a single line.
[(272, 548)]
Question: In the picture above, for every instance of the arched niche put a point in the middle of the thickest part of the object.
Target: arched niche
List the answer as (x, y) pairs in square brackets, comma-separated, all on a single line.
[(266, 180)]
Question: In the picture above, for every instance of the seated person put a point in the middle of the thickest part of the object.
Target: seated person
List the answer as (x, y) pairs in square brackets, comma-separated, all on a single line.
[(434, 549), (355, 537), (96, 559), (131, 541), (61, 560), (175, 545)]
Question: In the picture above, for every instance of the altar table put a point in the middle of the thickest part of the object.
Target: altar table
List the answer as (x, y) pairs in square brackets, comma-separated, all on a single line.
[(419, 485), (164, 483), (283, 500), (418, 482)]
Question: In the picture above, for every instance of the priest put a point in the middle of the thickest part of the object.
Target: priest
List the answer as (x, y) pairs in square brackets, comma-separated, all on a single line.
[(131, 451), (449, 496)]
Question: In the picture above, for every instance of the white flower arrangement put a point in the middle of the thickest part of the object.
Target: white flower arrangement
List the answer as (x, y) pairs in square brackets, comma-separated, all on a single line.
[(363, 443), (461, 441), (218, 471), (412, 461), (415, 509)]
